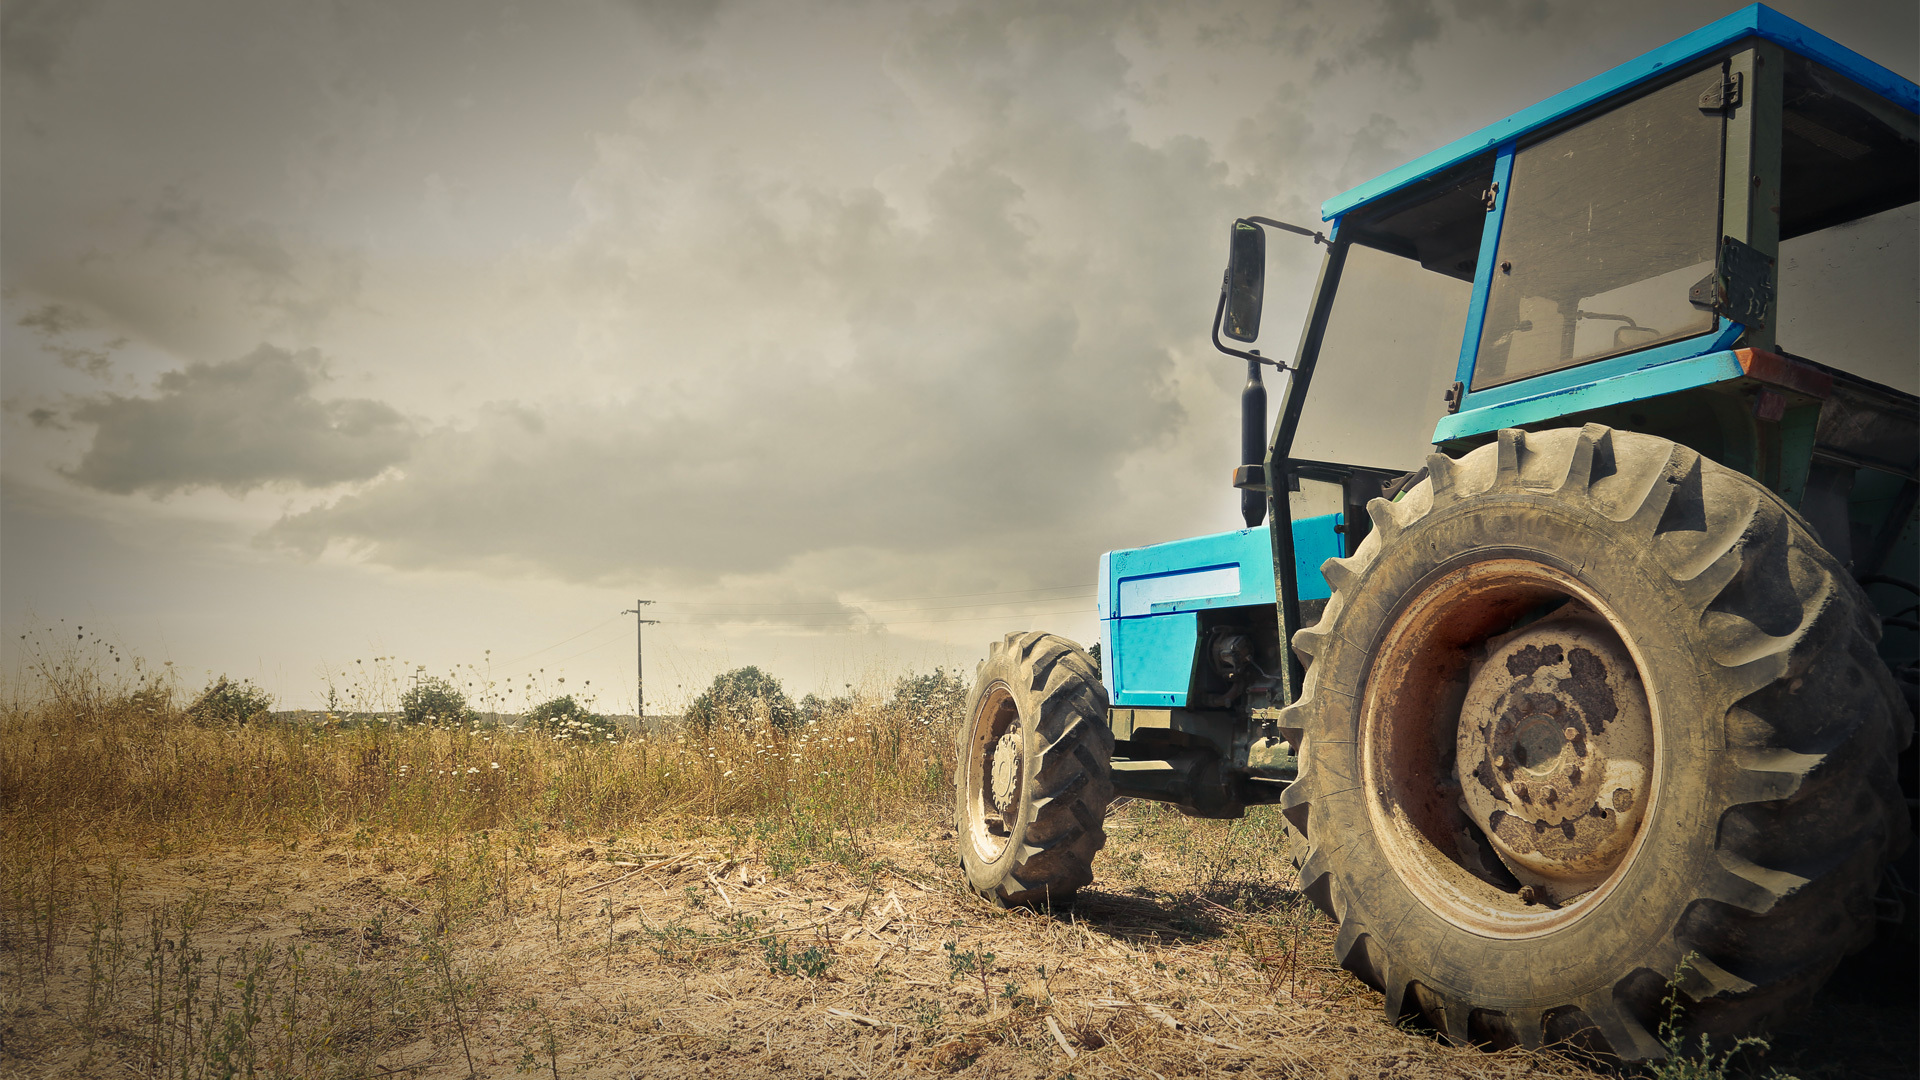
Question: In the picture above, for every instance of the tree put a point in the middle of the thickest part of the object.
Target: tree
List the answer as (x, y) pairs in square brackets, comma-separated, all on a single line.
[(935, 699), (226, 703), (433, 700), (740, 697), (565, 718)]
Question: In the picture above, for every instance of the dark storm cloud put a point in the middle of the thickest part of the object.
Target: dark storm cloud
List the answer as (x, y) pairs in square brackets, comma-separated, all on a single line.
[(1007, 347), (298, 284), (238, 425), (1403, 26), (681, 22), (34, 34), (55, 320), (1385, 34)]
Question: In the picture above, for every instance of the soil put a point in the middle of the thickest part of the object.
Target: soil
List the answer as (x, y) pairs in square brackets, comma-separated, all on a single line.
[(698, 956)]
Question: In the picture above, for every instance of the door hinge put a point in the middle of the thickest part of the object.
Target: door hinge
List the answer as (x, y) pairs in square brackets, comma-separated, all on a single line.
[(1453, 395), (1491, 196), (1722, 95), (1740, 287)]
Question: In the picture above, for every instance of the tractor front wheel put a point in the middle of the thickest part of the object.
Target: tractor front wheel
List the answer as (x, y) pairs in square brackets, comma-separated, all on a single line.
[(1590, 717), (1034, 772)]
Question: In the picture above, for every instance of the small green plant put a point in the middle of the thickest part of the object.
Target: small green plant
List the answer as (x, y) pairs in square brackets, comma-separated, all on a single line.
[(548, 1047), (442, 963), (1706, 1065), (782, 960), (929, 1015), (970, 962)]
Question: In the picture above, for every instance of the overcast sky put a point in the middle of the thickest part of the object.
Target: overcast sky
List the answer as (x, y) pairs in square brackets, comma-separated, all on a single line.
[(850, 332)]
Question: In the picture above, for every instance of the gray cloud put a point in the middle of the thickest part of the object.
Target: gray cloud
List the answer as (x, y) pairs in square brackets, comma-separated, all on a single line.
[(238, 425), (297, 283), (992, 359), (34, 34), (681, 22), (55, 320), (96, 363), (1403, 26)]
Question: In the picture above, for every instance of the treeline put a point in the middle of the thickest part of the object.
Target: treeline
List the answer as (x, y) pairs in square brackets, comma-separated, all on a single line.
[(742, 697)]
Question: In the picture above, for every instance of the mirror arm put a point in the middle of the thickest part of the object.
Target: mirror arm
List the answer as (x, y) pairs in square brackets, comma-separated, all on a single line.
[(1318, 237), (1253, 355)]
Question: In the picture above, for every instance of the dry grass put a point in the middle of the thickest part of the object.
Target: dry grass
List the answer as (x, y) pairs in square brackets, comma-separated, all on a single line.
[(355, 901), (126, 762)]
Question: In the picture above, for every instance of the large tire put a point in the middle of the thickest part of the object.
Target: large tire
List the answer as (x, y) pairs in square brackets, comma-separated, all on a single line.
[(1747, 806), (1034, 772)]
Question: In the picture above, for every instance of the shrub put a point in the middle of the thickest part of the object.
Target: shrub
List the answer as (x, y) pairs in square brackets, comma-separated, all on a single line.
[(740, 697), (228, 703), (814, 709), (433, 700), (565, 718), (935, 699)]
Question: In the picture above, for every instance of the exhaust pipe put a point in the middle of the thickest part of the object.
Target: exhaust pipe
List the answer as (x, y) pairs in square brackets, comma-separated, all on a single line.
[(1251, 476)]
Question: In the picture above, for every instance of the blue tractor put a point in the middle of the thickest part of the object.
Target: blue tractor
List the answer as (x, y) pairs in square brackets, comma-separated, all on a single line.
[(1580, 652)]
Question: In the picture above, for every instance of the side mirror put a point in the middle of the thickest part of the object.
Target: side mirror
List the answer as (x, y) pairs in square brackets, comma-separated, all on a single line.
[(1246, 280)]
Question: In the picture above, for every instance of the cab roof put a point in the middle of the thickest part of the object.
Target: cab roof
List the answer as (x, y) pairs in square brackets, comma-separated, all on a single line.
[(1756, 20)]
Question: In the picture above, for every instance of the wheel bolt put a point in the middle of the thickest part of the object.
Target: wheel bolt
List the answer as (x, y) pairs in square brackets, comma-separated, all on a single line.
[(1571, 733), (1500, 762)]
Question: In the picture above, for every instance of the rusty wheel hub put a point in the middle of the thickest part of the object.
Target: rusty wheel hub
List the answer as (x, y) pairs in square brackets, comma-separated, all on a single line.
[(1555, 752), (1004, 786), (1508, 771)]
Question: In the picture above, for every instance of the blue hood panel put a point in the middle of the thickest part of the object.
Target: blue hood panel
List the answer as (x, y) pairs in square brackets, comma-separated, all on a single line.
[(1148, 597)]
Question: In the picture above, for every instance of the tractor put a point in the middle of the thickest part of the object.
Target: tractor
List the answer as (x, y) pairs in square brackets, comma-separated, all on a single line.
[(1579, 653)]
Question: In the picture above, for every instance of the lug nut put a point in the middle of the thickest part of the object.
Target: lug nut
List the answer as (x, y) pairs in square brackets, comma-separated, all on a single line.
[(1571, 733)]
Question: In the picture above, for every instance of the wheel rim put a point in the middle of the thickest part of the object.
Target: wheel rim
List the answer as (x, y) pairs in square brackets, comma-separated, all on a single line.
[(1508, 747), (995, 773)]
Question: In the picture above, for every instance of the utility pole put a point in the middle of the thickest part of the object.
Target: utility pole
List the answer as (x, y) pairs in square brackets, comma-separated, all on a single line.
[(638, 610)]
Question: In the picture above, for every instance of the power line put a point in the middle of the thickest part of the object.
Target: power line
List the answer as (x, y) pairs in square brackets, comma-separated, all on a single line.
[(509, 663), (717, 619), (590, 648), (899, 599), (863, 609)]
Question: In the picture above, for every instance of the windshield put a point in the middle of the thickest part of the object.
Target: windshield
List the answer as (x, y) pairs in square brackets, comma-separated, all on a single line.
[(1607, 226), (1389, 355)]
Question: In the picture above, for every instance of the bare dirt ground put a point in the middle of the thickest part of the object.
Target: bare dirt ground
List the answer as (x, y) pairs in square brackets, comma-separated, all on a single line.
[(699, 951)]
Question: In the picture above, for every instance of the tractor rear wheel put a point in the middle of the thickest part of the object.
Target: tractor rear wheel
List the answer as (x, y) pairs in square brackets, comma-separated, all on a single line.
[(1587, 716), (1034, 772)]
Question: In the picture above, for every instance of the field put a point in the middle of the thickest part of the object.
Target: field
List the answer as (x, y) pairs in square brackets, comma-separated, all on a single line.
[(191, 896)]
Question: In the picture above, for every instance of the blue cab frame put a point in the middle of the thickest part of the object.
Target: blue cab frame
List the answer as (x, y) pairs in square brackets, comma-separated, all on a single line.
[(1634, 376)]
